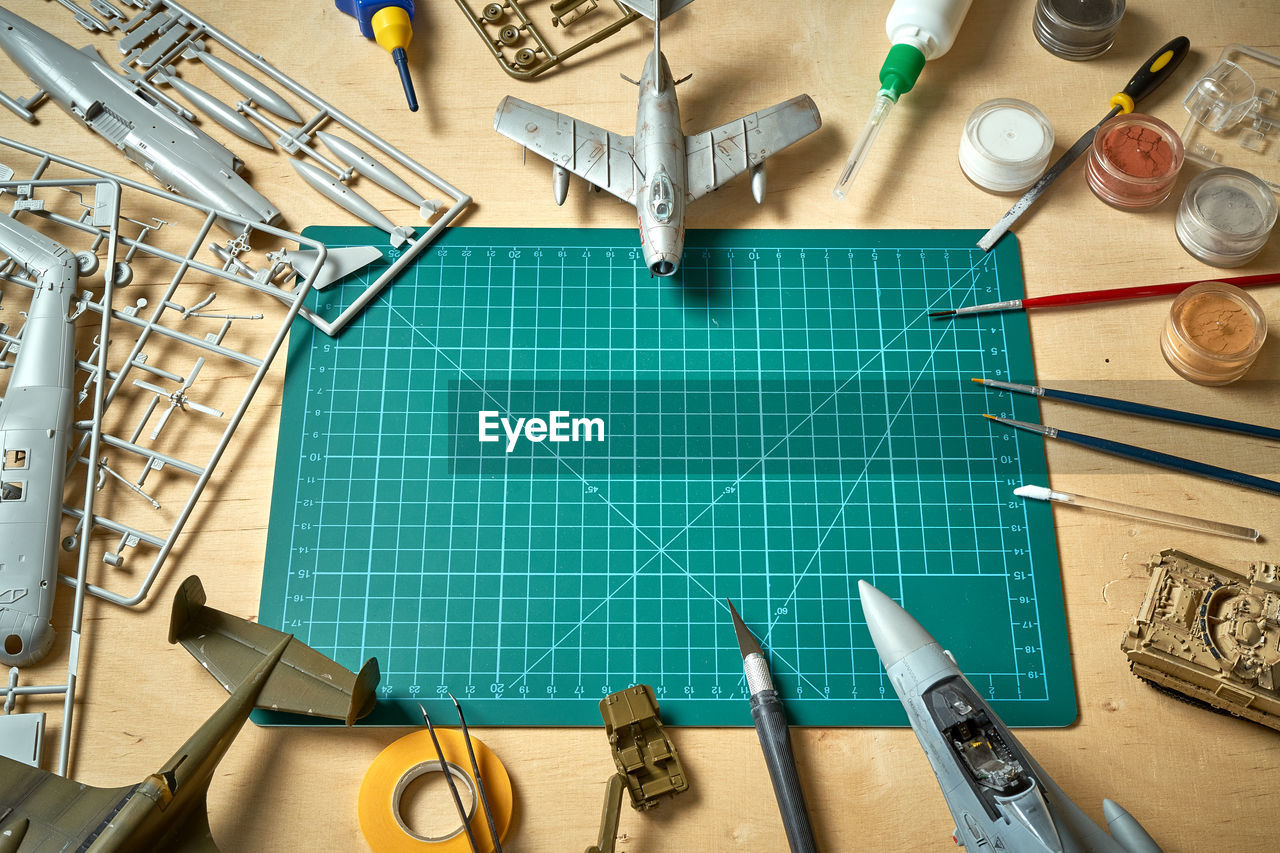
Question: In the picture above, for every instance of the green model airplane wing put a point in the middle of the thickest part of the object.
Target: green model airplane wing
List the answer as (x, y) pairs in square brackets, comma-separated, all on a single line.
[(41, 811), (304, 682)]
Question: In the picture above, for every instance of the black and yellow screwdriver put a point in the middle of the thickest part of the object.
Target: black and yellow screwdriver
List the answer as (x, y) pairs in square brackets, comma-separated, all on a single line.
[(390, 24), (1153, 72)]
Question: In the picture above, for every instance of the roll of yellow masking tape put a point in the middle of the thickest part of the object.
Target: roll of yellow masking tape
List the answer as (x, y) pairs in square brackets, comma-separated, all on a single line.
[(412, 756)]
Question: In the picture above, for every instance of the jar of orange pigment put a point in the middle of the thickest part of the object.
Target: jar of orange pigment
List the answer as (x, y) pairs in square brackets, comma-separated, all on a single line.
[(1134, 161), (1213, 333)]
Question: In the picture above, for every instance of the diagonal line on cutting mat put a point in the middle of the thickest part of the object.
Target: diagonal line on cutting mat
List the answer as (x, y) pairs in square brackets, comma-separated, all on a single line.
[(857, 482), (858, 372), (662, 552), (862, 474)]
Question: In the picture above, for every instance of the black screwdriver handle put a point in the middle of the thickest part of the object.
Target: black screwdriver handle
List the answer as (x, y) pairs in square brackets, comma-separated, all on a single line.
[(1153, 72), (775, 741)]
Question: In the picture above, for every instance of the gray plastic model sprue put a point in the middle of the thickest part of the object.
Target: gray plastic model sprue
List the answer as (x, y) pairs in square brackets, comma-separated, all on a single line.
[(137, 116), (120, 389)]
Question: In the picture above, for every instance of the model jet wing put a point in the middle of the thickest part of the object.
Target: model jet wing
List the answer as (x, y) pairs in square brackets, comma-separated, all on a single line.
[(718, 155), (590, 152)]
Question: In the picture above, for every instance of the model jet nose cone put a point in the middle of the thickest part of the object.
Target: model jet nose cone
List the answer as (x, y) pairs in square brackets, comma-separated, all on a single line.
[(662, 267), (894, 631)]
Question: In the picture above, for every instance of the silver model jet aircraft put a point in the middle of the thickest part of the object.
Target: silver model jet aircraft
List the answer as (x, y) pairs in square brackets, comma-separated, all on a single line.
[(1000, 797), (659, 170), (35, 424), (123, 112)]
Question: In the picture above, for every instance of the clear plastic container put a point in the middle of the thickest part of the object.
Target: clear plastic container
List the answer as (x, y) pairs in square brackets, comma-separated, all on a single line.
[(1077, 29), (1235, 114), (1225, 217), (1213, 333), (1222, 98), (1006, 145), (1134, 161)]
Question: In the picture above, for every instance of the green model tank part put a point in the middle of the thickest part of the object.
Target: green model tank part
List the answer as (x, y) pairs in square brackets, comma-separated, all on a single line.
[(1211, 635), (641, 749)]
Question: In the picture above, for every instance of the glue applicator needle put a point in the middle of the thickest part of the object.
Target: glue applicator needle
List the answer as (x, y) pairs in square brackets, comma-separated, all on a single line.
[(879, 112), (402, 65), (392, 28)]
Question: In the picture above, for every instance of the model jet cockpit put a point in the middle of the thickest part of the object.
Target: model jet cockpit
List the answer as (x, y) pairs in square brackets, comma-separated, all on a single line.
[(1000, 797)]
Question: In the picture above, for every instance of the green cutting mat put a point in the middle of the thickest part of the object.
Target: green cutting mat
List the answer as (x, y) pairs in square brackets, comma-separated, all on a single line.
[(780, 420)]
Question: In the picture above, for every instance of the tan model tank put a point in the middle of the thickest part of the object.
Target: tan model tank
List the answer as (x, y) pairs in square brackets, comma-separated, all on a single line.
[(1211, 634)]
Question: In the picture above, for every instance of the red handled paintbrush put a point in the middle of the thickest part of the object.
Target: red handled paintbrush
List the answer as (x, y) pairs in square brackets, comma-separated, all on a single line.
[(1115, 294)]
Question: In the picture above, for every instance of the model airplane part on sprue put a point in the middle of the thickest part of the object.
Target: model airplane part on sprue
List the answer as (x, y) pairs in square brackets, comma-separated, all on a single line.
[(259, 667), (1000, 797), (163, 46), (659, 170), (35, 427), (524, 50), (127, 114), (120, 391)]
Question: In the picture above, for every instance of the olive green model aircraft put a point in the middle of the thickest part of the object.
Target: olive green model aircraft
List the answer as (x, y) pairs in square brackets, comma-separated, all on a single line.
[(259, 666)]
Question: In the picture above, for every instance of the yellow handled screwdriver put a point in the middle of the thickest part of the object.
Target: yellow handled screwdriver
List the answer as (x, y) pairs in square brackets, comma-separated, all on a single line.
[(1153, 72)]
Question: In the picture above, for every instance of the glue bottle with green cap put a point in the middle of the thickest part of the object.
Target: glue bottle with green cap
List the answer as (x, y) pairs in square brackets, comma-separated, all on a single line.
[(919, 31), (390, 24)]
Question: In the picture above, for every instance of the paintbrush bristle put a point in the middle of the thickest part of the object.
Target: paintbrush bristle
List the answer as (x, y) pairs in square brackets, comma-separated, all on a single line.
[(940, 314)]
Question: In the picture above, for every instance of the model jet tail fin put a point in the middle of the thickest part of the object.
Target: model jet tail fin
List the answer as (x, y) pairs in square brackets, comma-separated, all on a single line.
[(656, 9), (304, 682)]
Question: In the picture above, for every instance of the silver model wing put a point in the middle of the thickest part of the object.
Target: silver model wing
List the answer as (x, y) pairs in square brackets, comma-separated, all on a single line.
[(718, 155), (590, 152)]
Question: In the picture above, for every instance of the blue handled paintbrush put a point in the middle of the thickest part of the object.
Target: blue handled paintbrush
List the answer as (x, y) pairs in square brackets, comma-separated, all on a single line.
[(1143, 454), (1140, 409)]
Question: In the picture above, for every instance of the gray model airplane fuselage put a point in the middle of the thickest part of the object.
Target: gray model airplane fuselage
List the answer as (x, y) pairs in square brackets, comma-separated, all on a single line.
[(659, 170), (35, 423), (660, 158), (1000, 798), (172, 150)]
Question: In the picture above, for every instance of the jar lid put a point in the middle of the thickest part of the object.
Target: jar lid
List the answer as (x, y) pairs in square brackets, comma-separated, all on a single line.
[(1006, 145), (1077, 29), (1232, 203)]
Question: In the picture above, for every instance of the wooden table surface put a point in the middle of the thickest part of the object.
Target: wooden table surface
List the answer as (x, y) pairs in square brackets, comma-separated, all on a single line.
[(1198, 781)]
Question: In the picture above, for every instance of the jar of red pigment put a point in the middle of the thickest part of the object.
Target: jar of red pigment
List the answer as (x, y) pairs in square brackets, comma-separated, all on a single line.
[(1134, 161)]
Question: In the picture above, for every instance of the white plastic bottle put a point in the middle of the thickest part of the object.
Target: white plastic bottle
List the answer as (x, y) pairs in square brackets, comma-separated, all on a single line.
[(919, 30), (930, 26)]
